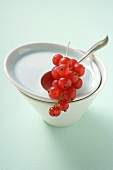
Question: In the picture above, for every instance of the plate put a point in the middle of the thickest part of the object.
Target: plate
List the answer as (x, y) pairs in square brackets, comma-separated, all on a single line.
[(26, 64)]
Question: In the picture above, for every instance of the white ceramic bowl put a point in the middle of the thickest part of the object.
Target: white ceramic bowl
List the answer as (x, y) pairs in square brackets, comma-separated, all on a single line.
[(27, 79)]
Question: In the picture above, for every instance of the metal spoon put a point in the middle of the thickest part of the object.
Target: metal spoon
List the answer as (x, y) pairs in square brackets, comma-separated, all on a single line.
[(95, 47), (46, 80)]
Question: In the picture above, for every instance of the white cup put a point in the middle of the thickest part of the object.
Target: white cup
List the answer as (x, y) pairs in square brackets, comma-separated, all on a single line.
[(76, 108)]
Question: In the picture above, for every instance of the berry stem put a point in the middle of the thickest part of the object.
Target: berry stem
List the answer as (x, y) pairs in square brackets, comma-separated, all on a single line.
[(67, 48)]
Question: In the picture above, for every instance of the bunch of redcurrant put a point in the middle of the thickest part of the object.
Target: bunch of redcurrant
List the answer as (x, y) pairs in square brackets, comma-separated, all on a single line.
[(67, 75)]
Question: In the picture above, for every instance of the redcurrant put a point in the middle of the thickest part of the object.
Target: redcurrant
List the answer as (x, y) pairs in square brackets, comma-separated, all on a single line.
[(63, 104), (54, 73), (73, 76), (73, 62), (54, 92), (65, 60), (54, 111), (79, 69), (64, 83), (56, 59), (55, 83), (72, 92), (69, 95), (63, 70), (78, 84)]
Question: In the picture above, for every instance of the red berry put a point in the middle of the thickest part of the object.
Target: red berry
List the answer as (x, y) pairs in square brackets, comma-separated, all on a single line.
[(65, 60), (54, 92), (72, 92), (54, 111), (79, 69), (63, 70), (64, 83), (56, 59), (55, 83), (54, 73), (78, 84), (63, 104), (73, 76), (73, 62), (69, 95), (66, 96)]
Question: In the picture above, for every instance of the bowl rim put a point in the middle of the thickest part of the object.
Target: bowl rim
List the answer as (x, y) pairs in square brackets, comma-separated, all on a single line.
[(31, 94)]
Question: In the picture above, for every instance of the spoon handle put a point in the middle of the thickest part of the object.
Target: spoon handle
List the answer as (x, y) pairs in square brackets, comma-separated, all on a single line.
[(95, 47)]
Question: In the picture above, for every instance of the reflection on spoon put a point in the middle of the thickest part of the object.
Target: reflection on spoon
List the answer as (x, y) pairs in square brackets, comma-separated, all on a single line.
[(46, 80)]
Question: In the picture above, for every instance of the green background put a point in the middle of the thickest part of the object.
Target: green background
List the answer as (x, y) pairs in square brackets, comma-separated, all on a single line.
[(26, 141)]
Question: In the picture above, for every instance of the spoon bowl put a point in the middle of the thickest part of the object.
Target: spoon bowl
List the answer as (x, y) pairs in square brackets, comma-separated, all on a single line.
[(46, 80)]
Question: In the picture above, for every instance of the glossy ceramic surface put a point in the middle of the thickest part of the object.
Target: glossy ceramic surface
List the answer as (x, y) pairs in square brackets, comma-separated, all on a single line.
[(26, 65)]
